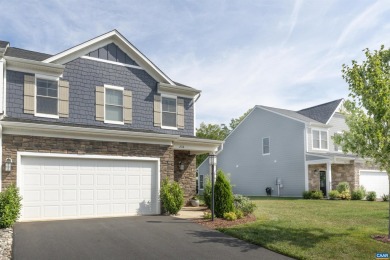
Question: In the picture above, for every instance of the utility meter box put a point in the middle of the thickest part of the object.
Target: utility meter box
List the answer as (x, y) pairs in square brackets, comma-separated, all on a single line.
[(278, 181)]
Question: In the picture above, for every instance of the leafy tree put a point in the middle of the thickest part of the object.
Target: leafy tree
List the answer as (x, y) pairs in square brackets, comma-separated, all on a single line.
[(223, 195), (234, 122), (368, 110)]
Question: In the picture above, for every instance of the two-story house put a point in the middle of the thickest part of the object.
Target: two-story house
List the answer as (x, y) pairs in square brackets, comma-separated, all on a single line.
[(292, 151), (92, 131)]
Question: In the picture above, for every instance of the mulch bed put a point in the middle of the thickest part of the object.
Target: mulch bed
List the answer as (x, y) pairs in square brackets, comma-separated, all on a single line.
[(222, 223), (382, 238)]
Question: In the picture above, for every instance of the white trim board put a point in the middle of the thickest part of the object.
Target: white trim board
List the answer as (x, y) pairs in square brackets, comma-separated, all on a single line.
[(112, 62)]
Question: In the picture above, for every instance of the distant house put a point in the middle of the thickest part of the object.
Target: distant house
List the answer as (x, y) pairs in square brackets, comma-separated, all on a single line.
[(295, 148)]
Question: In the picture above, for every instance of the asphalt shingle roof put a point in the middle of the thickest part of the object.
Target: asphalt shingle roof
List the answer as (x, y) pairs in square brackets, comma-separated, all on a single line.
[(291, 114), (3, 44), (322, 112), (25, 54)]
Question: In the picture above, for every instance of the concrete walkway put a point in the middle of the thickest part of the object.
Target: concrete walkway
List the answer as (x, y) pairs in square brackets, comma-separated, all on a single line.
[(191, 212)]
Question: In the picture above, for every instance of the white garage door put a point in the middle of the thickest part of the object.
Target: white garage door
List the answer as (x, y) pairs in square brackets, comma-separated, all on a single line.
[(375, 181), (65, 188)]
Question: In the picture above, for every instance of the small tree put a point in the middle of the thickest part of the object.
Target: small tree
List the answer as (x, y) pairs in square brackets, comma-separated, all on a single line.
[(9, 206), (223, 195), (367, 114), (171, 197), (207, 192)]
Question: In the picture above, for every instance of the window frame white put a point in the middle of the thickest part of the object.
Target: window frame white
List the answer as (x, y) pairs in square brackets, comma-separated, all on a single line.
[(269, 145), (161, 113), (122, 89), (51, 78), (320, 145)]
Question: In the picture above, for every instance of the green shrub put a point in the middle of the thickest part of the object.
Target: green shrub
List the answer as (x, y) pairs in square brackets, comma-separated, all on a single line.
[(334, 194), (244, 204), (306, 195), (316, 195), (207, 215), (359, 193), (9, 206), (345, 195), (171, 197), (230, 216), (385, 197), (239, 214), (343, 186), (371, 196), (207, 192), (223, 199)]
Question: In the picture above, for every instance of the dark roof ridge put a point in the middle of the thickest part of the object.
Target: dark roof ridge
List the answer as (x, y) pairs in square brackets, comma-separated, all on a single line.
[(327, 103)]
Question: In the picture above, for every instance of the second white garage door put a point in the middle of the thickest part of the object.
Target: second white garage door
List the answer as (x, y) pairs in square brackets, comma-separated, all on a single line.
[(65, 188), (375, 181)]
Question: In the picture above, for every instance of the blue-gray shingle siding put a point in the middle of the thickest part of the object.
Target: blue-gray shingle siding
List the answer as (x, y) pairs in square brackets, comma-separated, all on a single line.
[(83, 76)]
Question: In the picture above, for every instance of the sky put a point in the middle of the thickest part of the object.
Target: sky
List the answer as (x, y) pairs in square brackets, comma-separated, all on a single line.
[(280, 53)]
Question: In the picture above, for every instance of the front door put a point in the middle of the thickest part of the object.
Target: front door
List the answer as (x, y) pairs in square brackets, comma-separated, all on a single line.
[(323, 182)]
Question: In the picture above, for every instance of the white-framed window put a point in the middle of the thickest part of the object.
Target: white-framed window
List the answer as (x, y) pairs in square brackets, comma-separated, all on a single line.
[(320, 139), (337, 148), (168, 112), (201, 181), (113, 104), (266, 146), (46, 96)]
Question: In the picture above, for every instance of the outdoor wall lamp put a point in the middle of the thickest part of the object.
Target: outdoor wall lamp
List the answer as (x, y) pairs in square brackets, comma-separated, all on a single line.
[(8, 164), (181, 166), (213, 163)]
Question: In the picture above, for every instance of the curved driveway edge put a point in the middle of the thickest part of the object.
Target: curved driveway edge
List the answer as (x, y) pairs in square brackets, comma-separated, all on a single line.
[(143, 237)]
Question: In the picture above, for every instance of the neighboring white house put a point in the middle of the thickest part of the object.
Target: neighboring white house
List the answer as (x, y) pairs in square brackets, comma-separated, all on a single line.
[(294, 149)]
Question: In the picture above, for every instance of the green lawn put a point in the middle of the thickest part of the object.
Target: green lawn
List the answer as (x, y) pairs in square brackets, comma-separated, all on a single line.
[(317, 229)]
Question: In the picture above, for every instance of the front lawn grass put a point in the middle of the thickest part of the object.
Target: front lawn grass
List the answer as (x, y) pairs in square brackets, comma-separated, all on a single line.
[(317, 229)]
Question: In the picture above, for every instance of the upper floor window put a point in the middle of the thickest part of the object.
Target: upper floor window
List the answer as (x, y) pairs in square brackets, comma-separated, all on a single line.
[(266, 146), (113, 104), (169, 112), (47, 97), (320, 139)]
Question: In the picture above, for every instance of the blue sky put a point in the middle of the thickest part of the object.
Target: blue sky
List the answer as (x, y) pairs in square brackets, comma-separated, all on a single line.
[(285, 54)]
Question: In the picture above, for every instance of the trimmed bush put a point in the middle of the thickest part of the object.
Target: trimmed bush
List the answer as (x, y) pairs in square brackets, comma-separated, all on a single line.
[(230, 216), (239, 214), (334, 195), (172, 197), (385, 197), (223, 195), (343, 186), (9, 206), (207, 192), (306, 195), (359, 193), (316, 195), (345, 195), (371, 196), (244, 204)]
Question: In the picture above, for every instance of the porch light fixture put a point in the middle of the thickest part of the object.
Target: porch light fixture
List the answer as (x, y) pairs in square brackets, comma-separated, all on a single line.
[(181, 166), (8, 164), (212, 162), (316, 171)]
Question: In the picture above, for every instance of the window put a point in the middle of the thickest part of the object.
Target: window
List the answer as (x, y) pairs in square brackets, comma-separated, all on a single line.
[(201, 182), (114, 105), (320, 139), (47, 97), (336, 147), (266, 149), (169, 112)]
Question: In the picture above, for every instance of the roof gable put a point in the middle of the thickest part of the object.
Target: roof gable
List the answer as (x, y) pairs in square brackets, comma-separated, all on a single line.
[(323, 112), (112, 52), (122, 43)]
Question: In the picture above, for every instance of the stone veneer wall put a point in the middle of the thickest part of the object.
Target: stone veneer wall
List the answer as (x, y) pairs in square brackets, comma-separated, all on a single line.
[(186, 177), (13, 144), (340, 173)]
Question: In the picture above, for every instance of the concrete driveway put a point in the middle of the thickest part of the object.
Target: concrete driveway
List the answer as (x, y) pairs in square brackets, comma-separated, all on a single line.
[(144, 237)]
